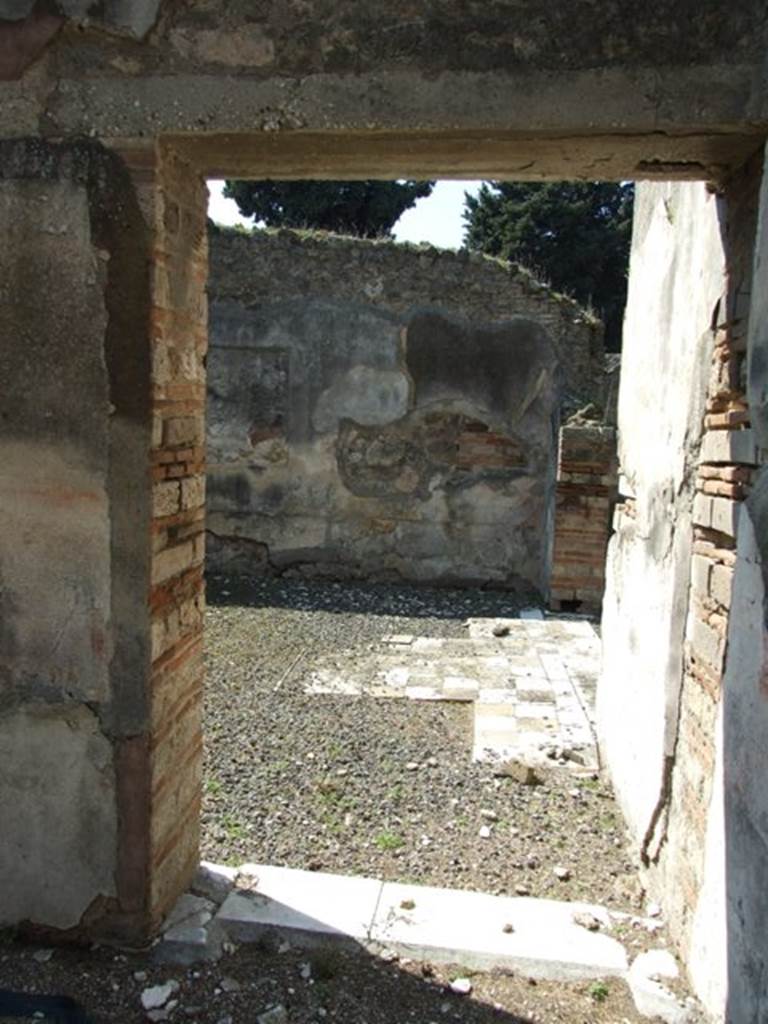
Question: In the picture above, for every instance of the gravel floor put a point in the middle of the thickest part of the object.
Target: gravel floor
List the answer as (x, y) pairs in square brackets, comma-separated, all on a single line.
[(328, 783), (256, 986), (323, 782)]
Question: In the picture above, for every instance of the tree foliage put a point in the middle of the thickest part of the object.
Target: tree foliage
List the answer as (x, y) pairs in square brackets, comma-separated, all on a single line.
[(576, 235), (368, 209)]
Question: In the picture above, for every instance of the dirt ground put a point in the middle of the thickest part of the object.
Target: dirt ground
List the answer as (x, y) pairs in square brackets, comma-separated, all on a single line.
[(367, 786), (381, 787), (344, 988)]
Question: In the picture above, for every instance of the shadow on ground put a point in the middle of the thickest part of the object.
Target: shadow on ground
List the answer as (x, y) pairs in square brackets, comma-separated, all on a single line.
[(365, 598), (257, 984)]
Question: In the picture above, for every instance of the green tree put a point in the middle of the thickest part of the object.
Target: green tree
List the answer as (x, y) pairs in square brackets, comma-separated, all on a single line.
[(368, 209), (576, 235)]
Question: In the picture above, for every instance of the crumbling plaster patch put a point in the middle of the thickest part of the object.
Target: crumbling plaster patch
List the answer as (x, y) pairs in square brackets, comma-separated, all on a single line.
[(57, 799), (357, 431)]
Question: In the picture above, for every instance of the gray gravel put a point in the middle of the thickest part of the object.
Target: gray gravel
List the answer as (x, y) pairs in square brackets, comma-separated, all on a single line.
[(256, 984), (328, 783)]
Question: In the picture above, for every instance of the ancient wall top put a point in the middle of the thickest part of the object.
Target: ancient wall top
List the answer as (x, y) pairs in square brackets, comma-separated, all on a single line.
[(678, 95)]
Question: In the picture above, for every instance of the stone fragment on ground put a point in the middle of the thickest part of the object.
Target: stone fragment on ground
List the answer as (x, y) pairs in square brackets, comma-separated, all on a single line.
[(651, 997), (214, 881), (274, 1015), (189, 933), (461, 986), (156, 996)]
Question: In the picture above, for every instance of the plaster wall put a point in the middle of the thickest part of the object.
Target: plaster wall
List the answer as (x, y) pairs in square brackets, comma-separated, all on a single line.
[(676, 280), (743, 801), (386, 412), (57, 791), (701, 833)]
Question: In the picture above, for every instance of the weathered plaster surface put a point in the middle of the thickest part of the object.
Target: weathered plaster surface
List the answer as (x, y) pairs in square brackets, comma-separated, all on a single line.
[(382, 411), (54, 555), (56, 787), (676, 279), (745, 696), (74, 434), (57, 806), (746, 803)]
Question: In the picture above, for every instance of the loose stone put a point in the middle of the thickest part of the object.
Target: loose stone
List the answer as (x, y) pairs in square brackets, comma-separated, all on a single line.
[(158, 995), (276, 1015), (461, 986)]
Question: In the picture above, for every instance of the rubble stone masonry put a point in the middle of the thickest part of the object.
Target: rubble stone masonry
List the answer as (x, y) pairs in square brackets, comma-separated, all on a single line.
[(584, 501), (386, 411)]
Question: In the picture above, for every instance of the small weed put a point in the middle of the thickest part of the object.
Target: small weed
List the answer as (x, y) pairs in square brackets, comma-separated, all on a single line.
[(389, 841), (330, 797), (332, 822), (235, 829), (598, 990), (331, 792), (213, 787)]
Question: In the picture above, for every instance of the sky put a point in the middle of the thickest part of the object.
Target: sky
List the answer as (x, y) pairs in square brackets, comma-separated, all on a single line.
[(436, 219)]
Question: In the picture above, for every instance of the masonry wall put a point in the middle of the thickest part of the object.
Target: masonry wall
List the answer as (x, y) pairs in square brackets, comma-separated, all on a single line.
[(381, 411), (101, 413), (584, 499), (347, 89), (73, 629), (675, 628)]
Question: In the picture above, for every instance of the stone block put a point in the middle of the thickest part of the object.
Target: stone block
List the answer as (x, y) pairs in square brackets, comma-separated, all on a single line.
[(725, 516), (721, 583), (165, 498), (214, 881), (305, 907), (180, 430), (193, 492), (730, 446), (58, 808), (700, 571), (702, 510), (188, 934), (172, 561), (707, 644), (472, 929), (651, 998)]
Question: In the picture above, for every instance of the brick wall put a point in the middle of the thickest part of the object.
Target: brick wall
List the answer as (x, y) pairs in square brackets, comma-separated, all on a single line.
[(174, 200), (727, 465), (584, 499)]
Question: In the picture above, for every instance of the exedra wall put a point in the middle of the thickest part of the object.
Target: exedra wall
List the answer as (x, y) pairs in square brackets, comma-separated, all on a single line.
[(386, 412)]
